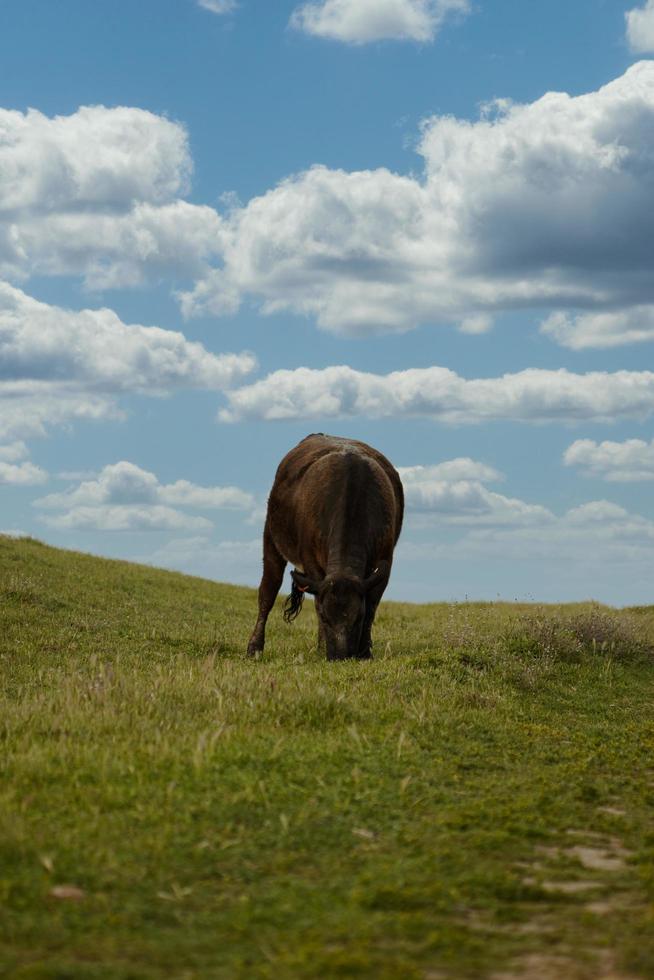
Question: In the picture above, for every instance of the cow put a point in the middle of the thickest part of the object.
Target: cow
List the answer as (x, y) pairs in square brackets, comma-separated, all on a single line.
[(335, 513)]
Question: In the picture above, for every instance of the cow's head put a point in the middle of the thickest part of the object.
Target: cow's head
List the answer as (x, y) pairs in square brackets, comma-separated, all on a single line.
[(341, 608)]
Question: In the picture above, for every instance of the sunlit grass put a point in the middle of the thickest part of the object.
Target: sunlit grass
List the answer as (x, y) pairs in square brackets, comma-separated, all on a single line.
[(416, 816)]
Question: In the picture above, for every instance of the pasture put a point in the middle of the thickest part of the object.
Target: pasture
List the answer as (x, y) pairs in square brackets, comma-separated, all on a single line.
[(477, 801)]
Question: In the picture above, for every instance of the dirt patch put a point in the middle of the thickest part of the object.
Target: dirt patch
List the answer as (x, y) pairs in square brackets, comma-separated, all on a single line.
[(599, 859), (596, 853), (569, 887), (540, 966)]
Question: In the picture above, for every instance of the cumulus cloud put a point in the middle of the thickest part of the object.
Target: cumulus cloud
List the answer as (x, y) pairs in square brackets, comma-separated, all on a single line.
[(541, 205), (438, 393), (96, 193), (28, 408), (454, 492), (610, 329), (449, 471), (13, 452), (640, 27), (56, 364), (126, 497), (16, 469), (618, 462), (536, 205), (361, 21), (119, 250), (96, 156), (39, 342)]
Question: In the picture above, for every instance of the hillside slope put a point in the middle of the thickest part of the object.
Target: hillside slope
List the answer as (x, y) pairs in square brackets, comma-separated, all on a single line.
[(476, 801)]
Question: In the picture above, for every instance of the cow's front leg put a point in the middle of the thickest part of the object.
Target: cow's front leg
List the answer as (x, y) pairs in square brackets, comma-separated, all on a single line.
[(271, 580), (372, 601), (322, 639), (365, 643)]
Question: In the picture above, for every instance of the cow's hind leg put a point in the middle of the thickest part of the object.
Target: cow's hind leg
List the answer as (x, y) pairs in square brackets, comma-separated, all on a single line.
[(271, 580)]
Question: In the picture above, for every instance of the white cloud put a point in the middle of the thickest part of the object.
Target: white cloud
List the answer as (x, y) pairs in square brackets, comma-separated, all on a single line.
[(13, 452), (528, 396), (361, 21), (22, 474), (207, 498), (16, 469), (477, 323), (96, 193), (126, 518), (618, 462), (126, 497), (119, 250), (451, 470), (39, 342), (454, 492), (96, 156), (537, 205), (640, 27), (29, 408), (611, 329), (219, 6), (56, 364)]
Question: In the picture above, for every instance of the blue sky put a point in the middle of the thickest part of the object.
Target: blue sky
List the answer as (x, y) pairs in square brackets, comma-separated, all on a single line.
[(422, 223)]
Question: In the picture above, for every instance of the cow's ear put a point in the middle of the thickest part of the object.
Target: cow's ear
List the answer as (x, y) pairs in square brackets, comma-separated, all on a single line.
[(303, 583), (380, 574)]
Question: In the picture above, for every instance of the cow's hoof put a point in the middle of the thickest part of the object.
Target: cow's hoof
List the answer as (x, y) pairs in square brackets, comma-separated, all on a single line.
[(254, 651)]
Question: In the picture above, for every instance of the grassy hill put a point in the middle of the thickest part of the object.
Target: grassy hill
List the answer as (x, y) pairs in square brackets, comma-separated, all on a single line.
[(475, 802)]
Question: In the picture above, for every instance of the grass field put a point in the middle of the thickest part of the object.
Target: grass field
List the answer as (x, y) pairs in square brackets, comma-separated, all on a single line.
[(477, 801)]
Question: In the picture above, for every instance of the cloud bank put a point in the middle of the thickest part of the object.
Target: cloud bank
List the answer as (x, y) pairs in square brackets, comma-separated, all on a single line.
[(125, 497), (39, 342), (601, 330), (536, 205), (362, 21), (454, 492), (56, 364), (528, 396), (532, 206)]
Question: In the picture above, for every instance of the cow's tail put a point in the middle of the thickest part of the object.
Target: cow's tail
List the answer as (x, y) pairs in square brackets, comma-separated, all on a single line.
[(293, 605)]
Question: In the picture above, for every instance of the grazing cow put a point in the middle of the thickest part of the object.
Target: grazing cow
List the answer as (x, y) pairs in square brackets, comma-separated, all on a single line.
[(335, 513)]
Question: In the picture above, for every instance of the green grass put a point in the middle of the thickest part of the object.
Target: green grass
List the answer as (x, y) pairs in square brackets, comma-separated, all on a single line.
[(423, 815)]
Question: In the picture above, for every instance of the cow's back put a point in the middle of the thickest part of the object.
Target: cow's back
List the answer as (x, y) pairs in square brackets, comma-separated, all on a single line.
[(329, 491)]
